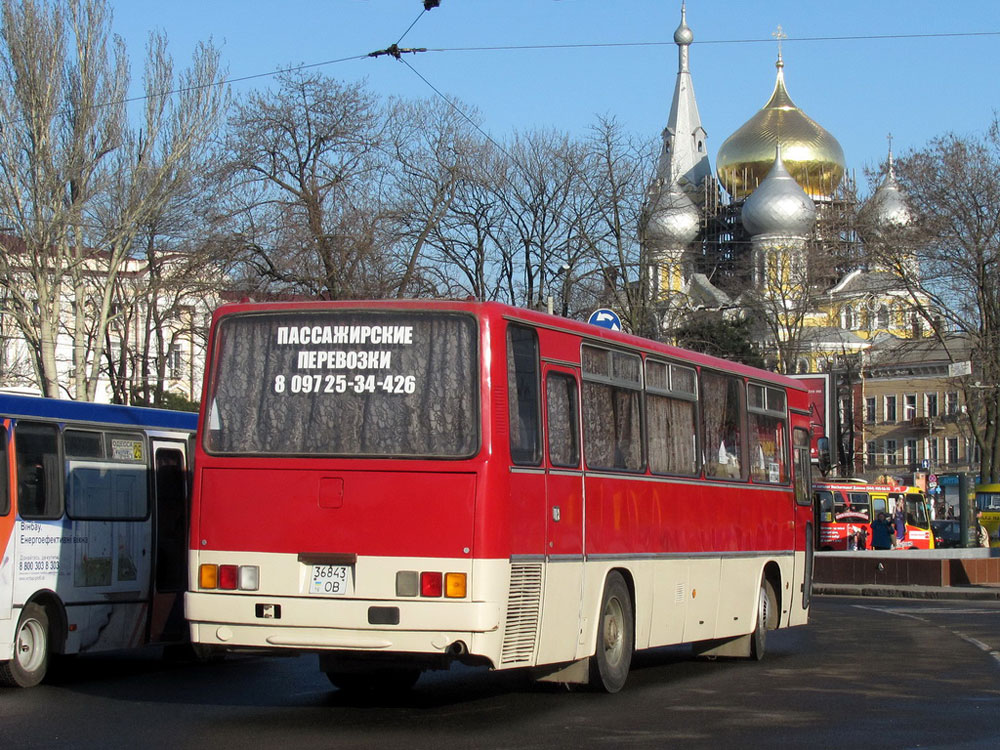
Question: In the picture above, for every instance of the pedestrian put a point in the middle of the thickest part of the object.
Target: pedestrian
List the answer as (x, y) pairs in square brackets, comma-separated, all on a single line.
[(882, 533), (899, 521), (982, 535)]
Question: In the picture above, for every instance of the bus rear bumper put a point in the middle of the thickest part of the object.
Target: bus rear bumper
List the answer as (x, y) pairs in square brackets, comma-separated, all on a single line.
[(324, 624)]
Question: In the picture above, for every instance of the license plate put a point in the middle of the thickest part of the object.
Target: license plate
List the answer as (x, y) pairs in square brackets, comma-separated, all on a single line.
[(331, 580)]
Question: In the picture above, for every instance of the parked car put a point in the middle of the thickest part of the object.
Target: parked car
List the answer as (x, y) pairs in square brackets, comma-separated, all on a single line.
[(947, 533)]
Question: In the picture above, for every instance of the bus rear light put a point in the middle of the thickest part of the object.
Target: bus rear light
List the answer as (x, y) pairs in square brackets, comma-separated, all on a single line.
[(431, 584), (407, 583), (228, 577), (208, 576), (454, 585), (249, 578)]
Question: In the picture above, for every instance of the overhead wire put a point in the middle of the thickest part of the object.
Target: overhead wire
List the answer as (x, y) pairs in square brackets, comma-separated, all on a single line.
[(573, 46)]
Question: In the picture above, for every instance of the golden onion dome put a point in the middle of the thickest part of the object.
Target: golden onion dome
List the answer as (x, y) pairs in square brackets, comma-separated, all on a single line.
[(811, 154)]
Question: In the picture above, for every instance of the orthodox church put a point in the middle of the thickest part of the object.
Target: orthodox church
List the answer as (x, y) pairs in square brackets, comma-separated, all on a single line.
[(773, 233)]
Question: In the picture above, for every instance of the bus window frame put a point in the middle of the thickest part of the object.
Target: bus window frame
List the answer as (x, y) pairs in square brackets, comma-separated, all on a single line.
[(741, 436), (524, 404), (223, 327), (4, 473), (108, 460), (672, 391), (618, 385), (572, 430), (52, 471), (770, 411), (801, 447)]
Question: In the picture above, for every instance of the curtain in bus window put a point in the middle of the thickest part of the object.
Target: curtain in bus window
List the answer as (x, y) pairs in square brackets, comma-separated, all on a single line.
[(560, 396), (673, 431), (346, 382), (523, 396), (721, 409), (768, 449), (803, 465), (611, 427)]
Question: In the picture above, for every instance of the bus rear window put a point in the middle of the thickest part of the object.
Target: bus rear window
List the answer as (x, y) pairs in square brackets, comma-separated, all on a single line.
[(346, 383)]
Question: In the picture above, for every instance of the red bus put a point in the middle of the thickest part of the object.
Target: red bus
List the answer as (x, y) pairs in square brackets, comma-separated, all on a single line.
[(396, 486), (847, 507)]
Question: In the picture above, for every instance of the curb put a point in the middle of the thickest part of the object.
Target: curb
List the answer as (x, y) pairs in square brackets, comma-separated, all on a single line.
[(985, 593)]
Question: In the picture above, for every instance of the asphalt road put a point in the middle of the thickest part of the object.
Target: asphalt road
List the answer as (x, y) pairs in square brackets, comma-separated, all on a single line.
[(866, 672)]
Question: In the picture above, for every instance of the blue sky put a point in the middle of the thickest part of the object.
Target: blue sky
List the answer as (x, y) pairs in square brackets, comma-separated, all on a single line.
[(898, 73)]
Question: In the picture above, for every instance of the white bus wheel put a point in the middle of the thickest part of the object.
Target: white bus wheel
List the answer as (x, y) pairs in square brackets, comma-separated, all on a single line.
[(31, 649), (615, 637)]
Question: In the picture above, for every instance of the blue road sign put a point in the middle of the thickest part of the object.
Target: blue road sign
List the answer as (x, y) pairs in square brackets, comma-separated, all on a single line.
[(606, 319)]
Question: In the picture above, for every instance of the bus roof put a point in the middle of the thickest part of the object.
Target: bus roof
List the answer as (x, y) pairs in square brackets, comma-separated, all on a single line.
[(86, 411), (541, 319)]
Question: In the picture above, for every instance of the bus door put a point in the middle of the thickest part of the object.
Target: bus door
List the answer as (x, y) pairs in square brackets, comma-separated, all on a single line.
[(806, 515), (172, 503), (6, 527), (564, 514), (880, 504)]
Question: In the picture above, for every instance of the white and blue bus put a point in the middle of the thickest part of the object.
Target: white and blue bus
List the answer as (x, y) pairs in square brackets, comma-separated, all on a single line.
[(94, 506)]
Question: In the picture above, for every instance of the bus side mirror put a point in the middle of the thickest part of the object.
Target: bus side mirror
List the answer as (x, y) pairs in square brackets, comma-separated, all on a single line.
[(823, 455)]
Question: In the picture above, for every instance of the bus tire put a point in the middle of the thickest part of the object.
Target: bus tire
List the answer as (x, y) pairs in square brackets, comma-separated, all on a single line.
[(767, 612), (31, 649), (615, 637)]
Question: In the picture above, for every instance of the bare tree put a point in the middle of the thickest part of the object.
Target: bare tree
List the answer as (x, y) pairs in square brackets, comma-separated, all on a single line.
[(436, 152), (78, 182), (948, 258), (306, 167), (609, 268), (465, 256), (537, 194)]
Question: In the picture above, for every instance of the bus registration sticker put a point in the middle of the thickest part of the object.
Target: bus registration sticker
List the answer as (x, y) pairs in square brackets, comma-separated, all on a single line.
[(331, 580)]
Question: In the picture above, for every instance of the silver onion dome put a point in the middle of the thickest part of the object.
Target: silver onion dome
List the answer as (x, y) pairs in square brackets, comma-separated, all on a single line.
[(888, 202), (683, 35), (779, 206), (674, 218)]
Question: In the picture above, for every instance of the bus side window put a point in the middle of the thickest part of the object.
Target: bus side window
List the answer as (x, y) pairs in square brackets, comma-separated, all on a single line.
[(803, 465), (824, 500), (4, 492), (39, 477), (524, 401), (879, 506), (562, 426), (722, 409), (859, 503)]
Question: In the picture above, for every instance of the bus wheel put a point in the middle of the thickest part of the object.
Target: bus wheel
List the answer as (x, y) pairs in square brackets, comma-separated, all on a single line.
[(767, 611), (615, 637), (31, 649), (382, 680)]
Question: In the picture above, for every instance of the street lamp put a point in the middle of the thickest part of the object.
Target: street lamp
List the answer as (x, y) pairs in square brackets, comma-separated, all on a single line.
[(564, 270)]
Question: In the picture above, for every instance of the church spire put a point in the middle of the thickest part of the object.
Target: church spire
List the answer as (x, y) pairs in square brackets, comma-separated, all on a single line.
[(684, 158)]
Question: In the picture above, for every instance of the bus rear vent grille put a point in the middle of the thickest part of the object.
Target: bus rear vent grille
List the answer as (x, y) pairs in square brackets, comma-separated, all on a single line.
[(523, 605)]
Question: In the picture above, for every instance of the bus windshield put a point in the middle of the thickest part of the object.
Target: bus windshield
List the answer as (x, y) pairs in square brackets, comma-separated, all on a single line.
[(358, 383), (988, 501), (916, 509)]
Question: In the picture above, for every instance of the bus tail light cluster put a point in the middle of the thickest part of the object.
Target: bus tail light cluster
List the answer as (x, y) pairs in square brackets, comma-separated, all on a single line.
[(431, 584), (229, 577)]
